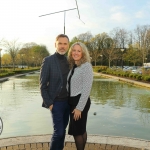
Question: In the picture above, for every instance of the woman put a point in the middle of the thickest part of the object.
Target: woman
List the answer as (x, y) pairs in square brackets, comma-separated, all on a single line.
[(79, 85)]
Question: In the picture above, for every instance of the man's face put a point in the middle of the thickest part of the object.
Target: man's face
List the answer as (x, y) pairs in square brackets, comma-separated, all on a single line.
[(62, 45)]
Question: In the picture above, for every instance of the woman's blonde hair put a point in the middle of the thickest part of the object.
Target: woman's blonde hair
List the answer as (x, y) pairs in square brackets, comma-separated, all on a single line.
[(85, 55)]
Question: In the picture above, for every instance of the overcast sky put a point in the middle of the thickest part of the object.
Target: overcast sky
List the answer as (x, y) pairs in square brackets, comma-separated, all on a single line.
[(19, 19)]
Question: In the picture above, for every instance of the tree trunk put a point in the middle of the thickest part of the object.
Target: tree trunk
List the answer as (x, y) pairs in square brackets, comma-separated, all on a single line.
[(95, 62), (109, 63), (13, 65)]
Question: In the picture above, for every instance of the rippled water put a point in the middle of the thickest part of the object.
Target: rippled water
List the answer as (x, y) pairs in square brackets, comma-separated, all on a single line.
[(121, 109)]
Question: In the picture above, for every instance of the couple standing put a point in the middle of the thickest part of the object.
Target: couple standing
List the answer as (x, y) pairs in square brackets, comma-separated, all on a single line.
[(65, 86)]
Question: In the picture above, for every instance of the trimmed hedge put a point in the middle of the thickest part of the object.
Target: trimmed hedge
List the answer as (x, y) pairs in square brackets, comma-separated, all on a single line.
[(146, 78), (10, 72), (99, 68), (24, 70), (6, 74), (127, 74)]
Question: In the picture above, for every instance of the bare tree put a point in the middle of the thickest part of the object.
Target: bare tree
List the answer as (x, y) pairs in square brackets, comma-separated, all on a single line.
[(12, 47), (142, 39), (109, 49), (120, 37), (95, 46), (93, 50), (123, 38), (148, 45), (114, 34), (131, 38), (85, 37)]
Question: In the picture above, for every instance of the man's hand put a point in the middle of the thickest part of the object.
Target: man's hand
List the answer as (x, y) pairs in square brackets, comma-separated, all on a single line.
[(77, 114), (51, 107)]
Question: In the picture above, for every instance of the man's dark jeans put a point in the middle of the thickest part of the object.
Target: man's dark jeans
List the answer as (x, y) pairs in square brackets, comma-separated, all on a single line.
[(60, 118)]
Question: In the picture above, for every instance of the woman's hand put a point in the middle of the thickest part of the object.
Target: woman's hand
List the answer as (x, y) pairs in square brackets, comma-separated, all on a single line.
[(77, 114), (51, 107)]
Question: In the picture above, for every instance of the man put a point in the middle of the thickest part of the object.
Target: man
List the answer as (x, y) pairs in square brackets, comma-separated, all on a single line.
[(53, 80)]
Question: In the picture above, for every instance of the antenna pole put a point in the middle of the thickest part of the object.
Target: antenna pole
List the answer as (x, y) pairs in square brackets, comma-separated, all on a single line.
[(64, 21), (77, 9)]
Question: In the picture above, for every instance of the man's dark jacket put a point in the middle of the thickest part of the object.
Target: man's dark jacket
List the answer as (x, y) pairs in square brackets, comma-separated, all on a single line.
[(51, 80)]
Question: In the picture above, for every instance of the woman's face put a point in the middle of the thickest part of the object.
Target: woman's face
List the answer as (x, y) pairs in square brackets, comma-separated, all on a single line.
[(76, 53)]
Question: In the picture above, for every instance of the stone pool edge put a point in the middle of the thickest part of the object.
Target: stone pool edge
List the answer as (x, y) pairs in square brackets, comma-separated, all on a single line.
[(92, 141)]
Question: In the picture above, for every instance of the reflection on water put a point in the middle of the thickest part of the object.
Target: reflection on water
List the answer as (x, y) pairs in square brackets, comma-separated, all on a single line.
[(117, 95), (121, 109)]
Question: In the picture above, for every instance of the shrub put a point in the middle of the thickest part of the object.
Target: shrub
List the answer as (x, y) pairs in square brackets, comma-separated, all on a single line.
[(134, 76), (104, 71), (146, 78), (131, 75), (6, 74), (9, 72), (127, 73), (99, 68), (119, 72), (139, 77)]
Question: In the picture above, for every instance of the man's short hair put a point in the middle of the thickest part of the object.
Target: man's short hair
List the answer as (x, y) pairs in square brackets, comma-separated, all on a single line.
[(62, 35)]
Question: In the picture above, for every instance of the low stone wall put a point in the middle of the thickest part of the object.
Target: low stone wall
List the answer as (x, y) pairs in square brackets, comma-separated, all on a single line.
[(3, 79), (68, 146), (133, 82), (94, 142)]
